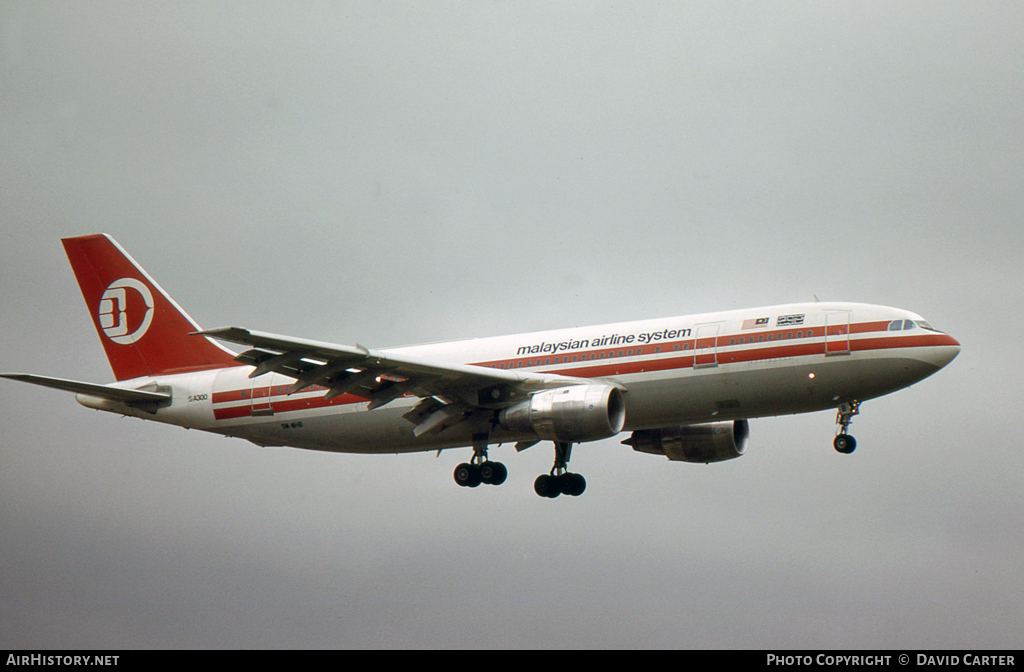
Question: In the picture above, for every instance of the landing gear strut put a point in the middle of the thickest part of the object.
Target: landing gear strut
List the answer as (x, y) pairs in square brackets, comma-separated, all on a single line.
[(560, 481), (844, 443), (480, 469)]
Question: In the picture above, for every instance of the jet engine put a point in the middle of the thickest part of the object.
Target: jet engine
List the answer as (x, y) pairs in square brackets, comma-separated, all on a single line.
[(574, 414), (713, 442)]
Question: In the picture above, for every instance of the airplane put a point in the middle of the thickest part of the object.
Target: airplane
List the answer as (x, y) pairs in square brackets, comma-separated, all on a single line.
[(684, 387)]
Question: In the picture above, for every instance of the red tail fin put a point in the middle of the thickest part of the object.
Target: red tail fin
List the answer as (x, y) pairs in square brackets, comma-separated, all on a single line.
[(143, 330)]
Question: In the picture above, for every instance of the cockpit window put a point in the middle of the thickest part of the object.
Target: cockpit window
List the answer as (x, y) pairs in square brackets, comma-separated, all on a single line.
[(903, 325)]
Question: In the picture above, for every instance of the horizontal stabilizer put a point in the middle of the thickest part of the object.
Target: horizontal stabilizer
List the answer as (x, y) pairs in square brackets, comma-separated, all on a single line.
[(133, 397)]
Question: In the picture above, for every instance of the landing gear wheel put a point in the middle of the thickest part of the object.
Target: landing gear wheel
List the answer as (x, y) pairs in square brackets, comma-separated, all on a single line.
[(572, 484), (467, 475), (560, 481), (493, 473), (547, 486), (845, 444), (479, 469)]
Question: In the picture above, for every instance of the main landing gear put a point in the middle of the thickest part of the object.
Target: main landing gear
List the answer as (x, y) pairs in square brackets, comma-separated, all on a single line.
[(471, 474), (560, 481), (479, 469), (844, 443)]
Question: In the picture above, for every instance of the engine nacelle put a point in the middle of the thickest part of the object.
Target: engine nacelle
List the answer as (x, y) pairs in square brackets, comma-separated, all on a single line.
[(713, 442), (575, 414)]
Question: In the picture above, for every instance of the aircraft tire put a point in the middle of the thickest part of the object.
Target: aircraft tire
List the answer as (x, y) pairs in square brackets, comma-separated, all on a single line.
[(573, 484), (845, 444), (467, 475), (547, 486), (493, 473)]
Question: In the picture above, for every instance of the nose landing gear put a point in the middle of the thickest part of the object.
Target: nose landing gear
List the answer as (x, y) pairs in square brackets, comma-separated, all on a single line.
[(844, 443)]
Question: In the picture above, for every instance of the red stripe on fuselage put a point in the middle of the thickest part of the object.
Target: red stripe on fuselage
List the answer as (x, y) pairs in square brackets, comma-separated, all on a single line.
[(763, 350), (278, 402)]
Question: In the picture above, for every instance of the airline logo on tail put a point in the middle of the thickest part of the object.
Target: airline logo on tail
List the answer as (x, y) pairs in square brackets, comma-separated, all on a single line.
[(114, 310), (143, 331)]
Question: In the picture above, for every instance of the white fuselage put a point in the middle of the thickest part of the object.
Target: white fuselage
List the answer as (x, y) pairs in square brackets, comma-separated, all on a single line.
[(700, 368)]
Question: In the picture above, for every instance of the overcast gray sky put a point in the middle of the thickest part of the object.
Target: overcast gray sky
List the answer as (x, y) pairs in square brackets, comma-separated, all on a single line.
[(392, 173)]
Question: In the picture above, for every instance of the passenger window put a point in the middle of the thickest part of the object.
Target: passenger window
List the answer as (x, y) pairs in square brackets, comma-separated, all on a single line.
[(574, 358), (732, 341)]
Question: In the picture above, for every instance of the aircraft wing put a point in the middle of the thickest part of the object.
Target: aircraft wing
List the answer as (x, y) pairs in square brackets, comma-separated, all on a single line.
[(449, 392)]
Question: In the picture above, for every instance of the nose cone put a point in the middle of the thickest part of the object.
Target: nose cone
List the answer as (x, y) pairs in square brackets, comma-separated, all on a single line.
[(945, 351)]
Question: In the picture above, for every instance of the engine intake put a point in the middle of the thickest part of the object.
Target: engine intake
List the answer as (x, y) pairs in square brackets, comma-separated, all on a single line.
[(712, 442), (575, 414)]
